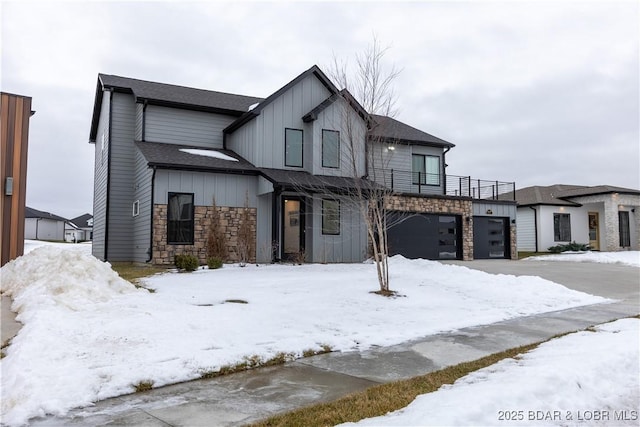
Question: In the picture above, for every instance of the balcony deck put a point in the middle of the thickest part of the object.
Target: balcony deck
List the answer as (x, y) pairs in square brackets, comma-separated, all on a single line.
[(445, 185)]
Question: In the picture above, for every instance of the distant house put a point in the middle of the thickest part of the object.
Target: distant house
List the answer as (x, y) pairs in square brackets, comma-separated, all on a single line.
[(605, 217), (39, 225), (163, 152), (79, 229)]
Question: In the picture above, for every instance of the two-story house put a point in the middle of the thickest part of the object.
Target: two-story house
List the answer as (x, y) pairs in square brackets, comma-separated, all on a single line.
[(164, 153)]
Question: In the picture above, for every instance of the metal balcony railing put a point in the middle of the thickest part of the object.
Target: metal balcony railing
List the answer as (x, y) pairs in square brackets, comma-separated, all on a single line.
[(448, 185)]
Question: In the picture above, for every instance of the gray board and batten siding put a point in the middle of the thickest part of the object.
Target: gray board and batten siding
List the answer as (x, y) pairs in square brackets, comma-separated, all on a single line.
[(142, 221), (348, 246), (261, 140)]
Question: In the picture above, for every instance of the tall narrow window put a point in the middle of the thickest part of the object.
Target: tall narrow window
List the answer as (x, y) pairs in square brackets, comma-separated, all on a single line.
[(293, 147), (330, 217), (425, 169), (561, 227), (623, 226), (180, 219), (330, 149)]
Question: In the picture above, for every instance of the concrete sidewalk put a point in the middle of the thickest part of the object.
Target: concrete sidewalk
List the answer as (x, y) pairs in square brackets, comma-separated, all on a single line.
[(250, 396)]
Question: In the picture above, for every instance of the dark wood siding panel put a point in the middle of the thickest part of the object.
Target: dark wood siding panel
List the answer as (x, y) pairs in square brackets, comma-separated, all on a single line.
[(15, 113)]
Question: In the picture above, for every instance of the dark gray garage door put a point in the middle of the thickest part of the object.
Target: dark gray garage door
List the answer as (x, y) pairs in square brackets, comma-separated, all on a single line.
[(428, 236), (490, 237)]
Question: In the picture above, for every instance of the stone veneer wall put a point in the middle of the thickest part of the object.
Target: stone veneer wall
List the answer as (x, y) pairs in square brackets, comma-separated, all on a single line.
[(164, 253), (441, 205)]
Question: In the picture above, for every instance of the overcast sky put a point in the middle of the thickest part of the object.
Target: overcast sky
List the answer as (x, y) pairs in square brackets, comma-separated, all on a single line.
[(534, 92)]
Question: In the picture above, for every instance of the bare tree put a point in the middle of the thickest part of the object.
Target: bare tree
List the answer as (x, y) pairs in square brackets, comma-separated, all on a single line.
[(371, 83)]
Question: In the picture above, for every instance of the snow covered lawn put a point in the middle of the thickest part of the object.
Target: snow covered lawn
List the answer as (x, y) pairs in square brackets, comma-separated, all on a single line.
[(89, 335), (631, 258), (586, 378)]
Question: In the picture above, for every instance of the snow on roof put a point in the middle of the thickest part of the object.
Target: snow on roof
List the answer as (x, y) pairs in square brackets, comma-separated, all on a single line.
[(208, 153)]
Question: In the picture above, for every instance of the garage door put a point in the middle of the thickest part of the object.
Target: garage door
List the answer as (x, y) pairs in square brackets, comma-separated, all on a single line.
[(428, 236), (490, 237)]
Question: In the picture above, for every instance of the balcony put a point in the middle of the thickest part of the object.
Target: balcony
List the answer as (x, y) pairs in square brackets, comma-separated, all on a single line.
[(448, 185)]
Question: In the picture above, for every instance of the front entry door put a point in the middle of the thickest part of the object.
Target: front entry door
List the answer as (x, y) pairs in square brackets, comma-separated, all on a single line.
[(594, 231), (292, 228)]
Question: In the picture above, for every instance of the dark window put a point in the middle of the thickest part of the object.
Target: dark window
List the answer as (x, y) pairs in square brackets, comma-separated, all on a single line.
[(561, 227), (330, 148), (293, 147), (426, 169), (180, 219), (330, 217), (623, 225)]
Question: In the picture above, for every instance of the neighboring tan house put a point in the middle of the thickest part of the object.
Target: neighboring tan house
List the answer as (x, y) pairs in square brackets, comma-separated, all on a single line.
[(39, 225), (164, 152), (79, 229), (604, 217)]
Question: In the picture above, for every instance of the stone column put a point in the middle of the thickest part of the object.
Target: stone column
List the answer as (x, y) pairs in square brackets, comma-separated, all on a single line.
[(611, 225)]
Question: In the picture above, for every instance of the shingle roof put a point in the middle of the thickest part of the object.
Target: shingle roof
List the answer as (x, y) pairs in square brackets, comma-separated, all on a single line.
[(170, 95), (34, 213), (393, 130), (152, 91), (82, 220), (559, 194), (170, 156), (315, 70), (301, 180)]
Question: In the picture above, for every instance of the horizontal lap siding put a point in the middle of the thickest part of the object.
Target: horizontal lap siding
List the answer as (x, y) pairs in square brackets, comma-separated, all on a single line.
[(100, 180), (526, 231), (229, 190), (121, 178), (176, 126)]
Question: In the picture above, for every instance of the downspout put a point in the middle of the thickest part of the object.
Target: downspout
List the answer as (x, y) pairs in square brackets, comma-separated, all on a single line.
[(37, 222), (153, 186), (444, 171), (274, 223), (144, 120), (106, 222), (535, 224)]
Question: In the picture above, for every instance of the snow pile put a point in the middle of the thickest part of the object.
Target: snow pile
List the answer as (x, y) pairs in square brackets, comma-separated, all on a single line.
[(208, 153), (586, 378), (84, 247), (631, 258), (90, 335)]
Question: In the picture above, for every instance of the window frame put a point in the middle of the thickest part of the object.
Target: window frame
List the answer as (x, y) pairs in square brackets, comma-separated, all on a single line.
[(170, 221), (426, 177), (337, 149), (286, 151), (135, 209), (558, 225), (624, 229), (330, 228)]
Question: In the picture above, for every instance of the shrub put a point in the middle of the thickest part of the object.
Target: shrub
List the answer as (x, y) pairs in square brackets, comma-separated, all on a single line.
[(186, 262), (214, 263), (216, 244), (573, 246)]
